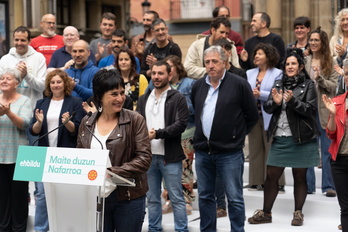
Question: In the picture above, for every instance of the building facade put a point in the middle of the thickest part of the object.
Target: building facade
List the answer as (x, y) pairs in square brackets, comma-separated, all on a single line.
[(85, 15)]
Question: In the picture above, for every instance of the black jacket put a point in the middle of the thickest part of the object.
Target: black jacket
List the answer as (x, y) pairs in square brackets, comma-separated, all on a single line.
[(65, 138), (300, 111), (234, 117), (176, 114)]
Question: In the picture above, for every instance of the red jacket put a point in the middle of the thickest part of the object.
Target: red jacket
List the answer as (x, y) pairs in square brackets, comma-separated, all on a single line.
[(337, 135)]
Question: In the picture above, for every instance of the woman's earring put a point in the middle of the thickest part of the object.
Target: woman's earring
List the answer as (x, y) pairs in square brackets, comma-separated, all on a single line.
[(100, 109)]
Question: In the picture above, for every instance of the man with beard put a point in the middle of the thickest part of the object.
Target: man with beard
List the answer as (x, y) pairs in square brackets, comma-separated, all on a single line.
[(61, 58), (140, 42), (260, 24), (101, 47), (83, 70), (158, 50), (48, 41), (166, 114), (219, 28), (119, 40)]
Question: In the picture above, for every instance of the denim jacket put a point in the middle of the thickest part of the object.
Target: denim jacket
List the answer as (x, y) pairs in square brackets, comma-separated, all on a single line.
[(184, 87)]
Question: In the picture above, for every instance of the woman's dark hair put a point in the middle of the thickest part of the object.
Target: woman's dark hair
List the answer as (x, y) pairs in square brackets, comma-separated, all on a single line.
[(326, 63), (302, 20), (133, 75), (66, 79), (105, 80), (298, 54), (178, 65), (270, 52)]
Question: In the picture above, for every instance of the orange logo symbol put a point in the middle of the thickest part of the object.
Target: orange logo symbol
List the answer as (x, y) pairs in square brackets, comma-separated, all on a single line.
[(92, 175)]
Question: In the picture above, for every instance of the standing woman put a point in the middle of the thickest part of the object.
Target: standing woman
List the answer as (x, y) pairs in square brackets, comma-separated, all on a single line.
[(15, 112), (339, 41), (135, 84), (338, 133), (319, 65), (124, 133), (293, 103), (49, 113), (261, 80)]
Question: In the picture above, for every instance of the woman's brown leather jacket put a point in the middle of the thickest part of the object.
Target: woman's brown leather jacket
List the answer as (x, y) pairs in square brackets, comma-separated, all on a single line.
[(130, 151)]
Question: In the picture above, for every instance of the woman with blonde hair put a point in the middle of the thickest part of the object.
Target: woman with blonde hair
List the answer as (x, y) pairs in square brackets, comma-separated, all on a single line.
[(339, 41)]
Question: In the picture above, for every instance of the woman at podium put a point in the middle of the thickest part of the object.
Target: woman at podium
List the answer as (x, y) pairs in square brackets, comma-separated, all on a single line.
[(15, 113), (124, 133), (58, 109)]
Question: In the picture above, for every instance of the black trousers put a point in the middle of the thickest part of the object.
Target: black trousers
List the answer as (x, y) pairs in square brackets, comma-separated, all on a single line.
[(339, 169), (13, 201)]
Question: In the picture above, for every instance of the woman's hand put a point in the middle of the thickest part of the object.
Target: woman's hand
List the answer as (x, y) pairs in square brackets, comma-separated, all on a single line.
[(338, 69), (316, 70), (277, 97), (4, 109), (340, 49), (287, 95), (39, 116), (256, 93), (89, 108), (330, 106), (65, 117)]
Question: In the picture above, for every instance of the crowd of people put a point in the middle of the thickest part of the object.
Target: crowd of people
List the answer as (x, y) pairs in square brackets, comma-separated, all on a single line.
[(158, 115)]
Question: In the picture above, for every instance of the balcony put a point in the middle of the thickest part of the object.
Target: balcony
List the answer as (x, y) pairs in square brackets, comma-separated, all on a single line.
[(187, 10)]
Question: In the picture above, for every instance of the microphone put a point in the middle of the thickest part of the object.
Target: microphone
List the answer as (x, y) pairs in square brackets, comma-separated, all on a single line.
[(89, 114), (42, 136)]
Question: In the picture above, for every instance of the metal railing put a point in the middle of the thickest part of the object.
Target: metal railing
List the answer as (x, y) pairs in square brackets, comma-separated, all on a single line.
[(193, 9)]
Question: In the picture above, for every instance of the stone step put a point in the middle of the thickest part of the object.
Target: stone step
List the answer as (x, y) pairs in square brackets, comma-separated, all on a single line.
[(321, 213)]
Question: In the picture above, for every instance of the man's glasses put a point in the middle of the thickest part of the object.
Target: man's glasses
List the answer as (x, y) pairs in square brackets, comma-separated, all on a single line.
[(50, 23)]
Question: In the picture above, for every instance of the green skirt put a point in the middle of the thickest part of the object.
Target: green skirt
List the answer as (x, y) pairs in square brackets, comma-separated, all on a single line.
[(285, 152)]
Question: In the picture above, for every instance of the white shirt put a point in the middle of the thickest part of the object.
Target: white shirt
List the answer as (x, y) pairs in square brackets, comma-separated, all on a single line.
[(53, 122), (154, 111)]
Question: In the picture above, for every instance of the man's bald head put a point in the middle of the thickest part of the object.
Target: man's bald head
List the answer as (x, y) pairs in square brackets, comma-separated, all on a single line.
[(70, 36), (80, 53)]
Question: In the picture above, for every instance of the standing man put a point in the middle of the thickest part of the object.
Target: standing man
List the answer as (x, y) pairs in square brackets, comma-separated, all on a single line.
[(29, 62), (193, 64), (83, 70), (223, 118), (119, 40), (224, 11), (141, 41), (48, 42), (158, 50), (166, 114), (61, 58), (101, 46), (260, 24)]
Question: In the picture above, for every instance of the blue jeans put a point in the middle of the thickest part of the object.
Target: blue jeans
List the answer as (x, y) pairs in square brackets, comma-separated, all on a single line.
[(41, 216), (220, 193), (171, 173), (230, 167), (123, 216)]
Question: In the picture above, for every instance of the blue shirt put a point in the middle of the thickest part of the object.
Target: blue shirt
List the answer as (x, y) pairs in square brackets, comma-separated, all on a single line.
[(83, 79), (209, 107), (61, 56)]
